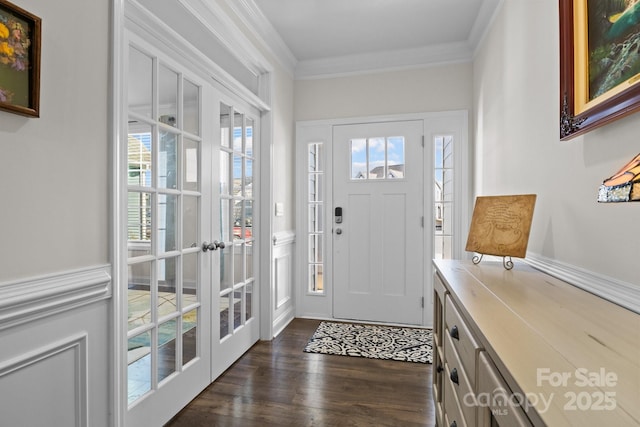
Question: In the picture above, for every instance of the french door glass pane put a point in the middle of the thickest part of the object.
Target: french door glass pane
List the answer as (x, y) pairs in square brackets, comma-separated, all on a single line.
[(224, 173), (139, 366), (190, 267), (225, 311), (167, 301), (168, 161), (225, 220), (139, 155), (189, 336), (248, 177), (168, 96), (249, 259), (138, 223), (139, 295), (167, 334), (191, 107), (249, 301), (237, 308), (226, 265), (167, 222), (238, 122), (238, 264), (190, 221), (225, 125), (190, 155), (237, 174), (248, 142), (140, 72)]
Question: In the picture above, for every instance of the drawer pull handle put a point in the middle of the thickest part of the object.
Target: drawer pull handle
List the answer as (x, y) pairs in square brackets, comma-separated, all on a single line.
[(454, 332), (454, 376), (453, 424)]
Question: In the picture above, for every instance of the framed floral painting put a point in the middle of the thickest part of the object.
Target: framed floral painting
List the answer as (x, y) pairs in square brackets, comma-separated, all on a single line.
[(599, 63), (19, 60)]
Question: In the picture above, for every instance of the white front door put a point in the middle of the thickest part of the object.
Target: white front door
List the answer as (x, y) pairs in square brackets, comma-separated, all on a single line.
[(378, 266)]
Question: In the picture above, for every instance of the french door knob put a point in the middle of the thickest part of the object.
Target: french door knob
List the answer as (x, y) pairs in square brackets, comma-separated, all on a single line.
[(212, 246)]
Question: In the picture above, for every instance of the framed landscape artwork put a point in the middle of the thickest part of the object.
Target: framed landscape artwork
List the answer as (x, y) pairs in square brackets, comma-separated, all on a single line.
[(599, 63), (19, 60)]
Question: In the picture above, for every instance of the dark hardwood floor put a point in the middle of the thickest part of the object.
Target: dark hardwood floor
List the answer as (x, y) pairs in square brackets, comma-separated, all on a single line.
[(277, 384)]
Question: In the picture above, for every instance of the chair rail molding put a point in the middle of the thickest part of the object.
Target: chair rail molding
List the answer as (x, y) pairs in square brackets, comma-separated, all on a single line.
[(30, 299)]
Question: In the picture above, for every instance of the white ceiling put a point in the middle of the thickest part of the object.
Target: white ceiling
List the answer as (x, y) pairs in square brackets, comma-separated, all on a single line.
[(347, 36)]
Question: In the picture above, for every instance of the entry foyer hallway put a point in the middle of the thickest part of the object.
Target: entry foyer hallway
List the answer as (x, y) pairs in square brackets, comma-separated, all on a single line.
[(276, 384)]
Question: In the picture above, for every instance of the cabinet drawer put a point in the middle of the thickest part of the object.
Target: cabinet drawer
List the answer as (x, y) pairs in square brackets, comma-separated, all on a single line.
[(439, 287), (497, 405), (437, 374), (461, 338), (456, 375), (452, 407)]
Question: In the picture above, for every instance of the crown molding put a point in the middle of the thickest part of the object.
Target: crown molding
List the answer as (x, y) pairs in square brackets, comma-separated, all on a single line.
[(486, 17), (212, 17), (384, 61), (145, 24), (258, 24)]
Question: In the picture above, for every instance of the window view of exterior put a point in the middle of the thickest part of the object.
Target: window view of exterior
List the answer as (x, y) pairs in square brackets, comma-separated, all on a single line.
[(316, 220), (377, 158), (443, 196)]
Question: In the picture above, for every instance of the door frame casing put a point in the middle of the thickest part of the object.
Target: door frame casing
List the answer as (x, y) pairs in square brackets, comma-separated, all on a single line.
[(320, 306)]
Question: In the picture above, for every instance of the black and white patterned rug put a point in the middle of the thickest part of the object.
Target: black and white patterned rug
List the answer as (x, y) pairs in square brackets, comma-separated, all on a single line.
[(372, 341)]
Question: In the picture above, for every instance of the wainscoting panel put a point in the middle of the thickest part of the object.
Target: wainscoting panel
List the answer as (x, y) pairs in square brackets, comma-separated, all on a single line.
[(55, 351), (283, 255), (61, 395)]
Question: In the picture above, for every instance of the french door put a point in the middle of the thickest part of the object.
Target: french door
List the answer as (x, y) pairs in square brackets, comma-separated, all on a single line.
[(190, 196), (378, 217)]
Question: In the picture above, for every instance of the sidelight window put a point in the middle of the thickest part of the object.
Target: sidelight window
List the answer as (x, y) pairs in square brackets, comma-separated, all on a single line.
[(443, 196), (315, 229)]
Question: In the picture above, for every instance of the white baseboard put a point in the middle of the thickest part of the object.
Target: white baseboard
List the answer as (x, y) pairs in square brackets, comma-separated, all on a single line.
[(283, 321), (621, 293)]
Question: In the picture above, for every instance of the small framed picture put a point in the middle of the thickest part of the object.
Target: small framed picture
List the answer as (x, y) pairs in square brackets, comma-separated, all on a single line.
[(19, 60)]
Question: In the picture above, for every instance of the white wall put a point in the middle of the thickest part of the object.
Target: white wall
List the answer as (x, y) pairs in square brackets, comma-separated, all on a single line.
[(437, 88), (55, 279), (516, 97), (283, 151), (53, 169)]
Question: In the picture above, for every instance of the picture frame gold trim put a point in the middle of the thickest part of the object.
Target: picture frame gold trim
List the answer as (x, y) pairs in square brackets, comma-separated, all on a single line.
[(578, 113), (29, 57)]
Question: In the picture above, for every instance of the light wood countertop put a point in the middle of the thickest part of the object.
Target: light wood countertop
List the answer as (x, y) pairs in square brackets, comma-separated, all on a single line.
[(574, 355)]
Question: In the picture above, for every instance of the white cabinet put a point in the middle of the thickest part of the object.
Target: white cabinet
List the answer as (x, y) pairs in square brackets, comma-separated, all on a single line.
[(521, 348)]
